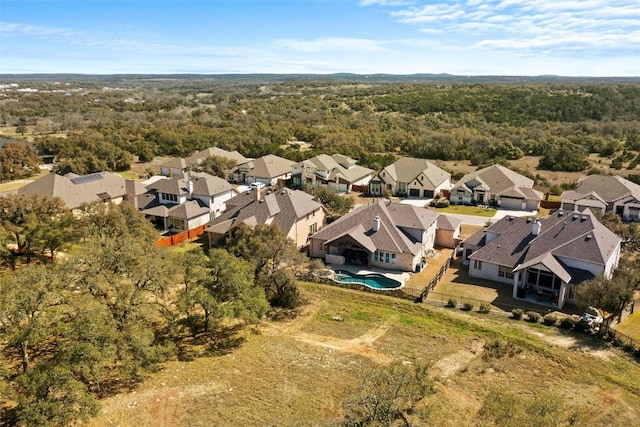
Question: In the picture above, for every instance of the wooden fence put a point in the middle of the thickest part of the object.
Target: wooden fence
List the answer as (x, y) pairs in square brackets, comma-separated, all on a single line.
[(176, 239), (436, 278), (549, 204)]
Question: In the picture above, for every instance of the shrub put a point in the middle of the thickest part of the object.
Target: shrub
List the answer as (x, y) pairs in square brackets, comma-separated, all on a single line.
[(444, 203), (451, 303), (467, 306), (533, 316), (499, 348), (567, 323), (517, 313), (484, 308), (549, 320)]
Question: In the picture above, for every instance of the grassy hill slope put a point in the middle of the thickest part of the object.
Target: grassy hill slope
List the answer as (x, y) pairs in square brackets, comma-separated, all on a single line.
[(297, 371)]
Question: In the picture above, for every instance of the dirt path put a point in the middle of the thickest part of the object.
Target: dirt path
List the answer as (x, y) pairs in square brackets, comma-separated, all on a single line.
[(456, 362)]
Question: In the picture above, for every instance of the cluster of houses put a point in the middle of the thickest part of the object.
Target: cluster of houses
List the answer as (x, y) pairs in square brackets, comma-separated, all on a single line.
[(543, 259)]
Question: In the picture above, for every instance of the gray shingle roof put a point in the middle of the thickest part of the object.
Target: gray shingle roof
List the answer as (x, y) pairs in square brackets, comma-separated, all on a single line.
[(283, 208), (497, 179), (270, 167), (406, 169), (608, 187), (75, 190), (563, 235), (204, 184), (358, 224)]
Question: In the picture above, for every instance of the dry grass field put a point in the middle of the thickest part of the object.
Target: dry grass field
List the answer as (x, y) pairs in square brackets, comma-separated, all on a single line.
[(297, 371)]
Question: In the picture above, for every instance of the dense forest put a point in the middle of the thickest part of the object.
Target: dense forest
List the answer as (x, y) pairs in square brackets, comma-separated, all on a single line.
[(107, 125)]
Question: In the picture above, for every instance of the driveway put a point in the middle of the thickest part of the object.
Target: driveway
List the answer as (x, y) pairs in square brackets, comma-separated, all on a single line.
[(500, 213)]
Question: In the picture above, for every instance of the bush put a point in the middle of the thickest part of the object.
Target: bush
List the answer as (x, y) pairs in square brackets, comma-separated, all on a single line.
[(533, 316), (499, 348), (467, 306), (444, 203), (484, 308), (451, 303), (567, 323), (549, 320), (517, 313)]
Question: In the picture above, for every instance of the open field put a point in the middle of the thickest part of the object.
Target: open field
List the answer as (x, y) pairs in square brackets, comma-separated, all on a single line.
[(297, 371)]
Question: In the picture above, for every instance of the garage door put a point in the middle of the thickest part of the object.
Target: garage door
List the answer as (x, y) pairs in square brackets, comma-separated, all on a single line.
[(428, 194), (414, 192), (511, 203)]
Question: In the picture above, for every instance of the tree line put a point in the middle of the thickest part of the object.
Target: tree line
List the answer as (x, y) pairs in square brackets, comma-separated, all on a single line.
[(372, 122)]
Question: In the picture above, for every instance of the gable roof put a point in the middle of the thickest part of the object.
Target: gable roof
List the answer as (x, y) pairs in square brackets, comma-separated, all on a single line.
[(270, 167), (197, 158), (204, 184), (608, 188), (74, 190), (501, 181), (282, 208), (358, 224), (406, 169), (563, 235)]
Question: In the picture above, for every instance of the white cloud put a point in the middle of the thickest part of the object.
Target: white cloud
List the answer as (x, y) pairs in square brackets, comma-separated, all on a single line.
[(9, 29), (335, 44)]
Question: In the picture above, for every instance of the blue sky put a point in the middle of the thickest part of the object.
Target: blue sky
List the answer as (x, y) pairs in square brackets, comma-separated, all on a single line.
[(466, 37)]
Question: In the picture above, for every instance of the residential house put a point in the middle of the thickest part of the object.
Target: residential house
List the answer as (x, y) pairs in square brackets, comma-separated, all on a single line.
[(410, 177), (544, 259), (76, 190), (386, 235), (178, 166), (499, 186), (604, 193), (185, 202), (339, 173), (270, 170), (293, 211)]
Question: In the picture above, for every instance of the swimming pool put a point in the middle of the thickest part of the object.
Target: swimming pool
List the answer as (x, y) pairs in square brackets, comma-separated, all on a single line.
[(372, 280)]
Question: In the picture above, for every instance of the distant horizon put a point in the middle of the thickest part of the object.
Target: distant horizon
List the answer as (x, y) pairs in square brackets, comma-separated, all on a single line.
[(572, 38)]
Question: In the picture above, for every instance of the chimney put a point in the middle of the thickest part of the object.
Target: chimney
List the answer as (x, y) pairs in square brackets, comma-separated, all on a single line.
[(190, 187), (257, 195), (535, 227), (376, 223)]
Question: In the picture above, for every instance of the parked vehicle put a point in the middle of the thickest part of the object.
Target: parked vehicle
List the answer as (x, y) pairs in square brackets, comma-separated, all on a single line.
[(590, 320)]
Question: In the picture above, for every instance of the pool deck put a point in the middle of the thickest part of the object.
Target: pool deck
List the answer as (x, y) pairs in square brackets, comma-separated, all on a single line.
[(399, 276)]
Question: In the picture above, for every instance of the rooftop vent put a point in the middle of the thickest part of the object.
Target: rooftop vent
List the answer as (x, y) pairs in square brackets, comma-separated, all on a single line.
[(583, 219), (560, 213), (588, 237), (575, 216), (529, 220)]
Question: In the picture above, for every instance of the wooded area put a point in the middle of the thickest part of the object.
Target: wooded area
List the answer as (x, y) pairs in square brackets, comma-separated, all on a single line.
[(92, 127)]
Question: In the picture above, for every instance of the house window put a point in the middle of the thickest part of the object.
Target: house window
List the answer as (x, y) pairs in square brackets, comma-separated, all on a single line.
[(477, 265), (385, 257), (169, 197), (634, 213), (460, 194), (504, 271), (313, 228), (389, 187)]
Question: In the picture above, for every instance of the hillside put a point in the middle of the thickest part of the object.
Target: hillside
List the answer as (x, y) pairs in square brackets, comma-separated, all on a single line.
[(297, 371)]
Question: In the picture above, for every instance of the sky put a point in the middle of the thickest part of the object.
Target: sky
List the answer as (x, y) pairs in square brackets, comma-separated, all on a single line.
[(463, 37)]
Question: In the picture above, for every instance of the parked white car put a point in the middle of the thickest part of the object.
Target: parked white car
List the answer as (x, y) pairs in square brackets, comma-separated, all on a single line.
[(258, 185)]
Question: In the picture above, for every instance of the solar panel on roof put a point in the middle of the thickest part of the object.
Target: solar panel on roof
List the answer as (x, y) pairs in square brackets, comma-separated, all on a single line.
[(87, 178)]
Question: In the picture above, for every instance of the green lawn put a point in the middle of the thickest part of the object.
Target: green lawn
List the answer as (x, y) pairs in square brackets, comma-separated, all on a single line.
[(468, 210)]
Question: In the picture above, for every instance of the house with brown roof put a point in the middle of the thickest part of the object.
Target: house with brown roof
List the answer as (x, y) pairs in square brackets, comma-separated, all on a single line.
[(410, 177), (545, 260), (386, 235), (185, 202), (499, 186), (178, 166), (293, 211), (76, 190), (270, 170), (604, 193), (338, 172)]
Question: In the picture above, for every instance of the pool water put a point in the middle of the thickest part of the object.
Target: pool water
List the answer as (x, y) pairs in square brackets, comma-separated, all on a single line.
[(372, 280)]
